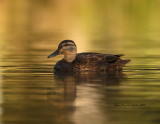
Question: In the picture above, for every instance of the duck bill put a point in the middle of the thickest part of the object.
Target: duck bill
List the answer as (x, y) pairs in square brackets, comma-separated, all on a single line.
[(54, 54)]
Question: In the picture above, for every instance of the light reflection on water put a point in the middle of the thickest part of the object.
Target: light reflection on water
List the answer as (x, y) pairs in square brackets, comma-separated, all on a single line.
[(31, 93)]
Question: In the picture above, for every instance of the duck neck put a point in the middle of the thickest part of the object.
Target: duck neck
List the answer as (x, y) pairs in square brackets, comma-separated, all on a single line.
[(70, 57)]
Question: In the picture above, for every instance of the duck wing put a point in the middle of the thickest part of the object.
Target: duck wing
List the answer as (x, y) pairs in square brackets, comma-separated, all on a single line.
[(96, 61), (112, 58), (96, 57)]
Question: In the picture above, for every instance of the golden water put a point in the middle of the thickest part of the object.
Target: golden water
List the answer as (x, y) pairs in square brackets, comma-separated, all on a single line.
[(31, 93)]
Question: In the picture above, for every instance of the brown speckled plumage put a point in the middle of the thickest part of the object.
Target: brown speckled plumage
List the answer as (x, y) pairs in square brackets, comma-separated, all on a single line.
[(86, 61)]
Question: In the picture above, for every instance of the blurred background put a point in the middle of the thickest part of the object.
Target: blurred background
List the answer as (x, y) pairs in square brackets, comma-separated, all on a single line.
[(31, 29), (120, 26)]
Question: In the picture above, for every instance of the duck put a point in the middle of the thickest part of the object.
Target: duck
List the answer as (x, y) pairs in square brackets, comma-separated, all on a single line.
[(86, 61)]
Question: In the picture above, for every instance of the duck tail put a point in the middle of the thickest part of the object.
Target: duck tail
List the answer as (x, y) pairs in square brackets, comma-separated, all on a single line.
[(124, 62)]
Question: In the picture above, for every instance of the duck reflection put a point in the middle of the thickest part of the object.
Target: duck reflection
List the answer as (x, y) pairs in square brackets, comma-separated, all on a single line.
[(69, 81)]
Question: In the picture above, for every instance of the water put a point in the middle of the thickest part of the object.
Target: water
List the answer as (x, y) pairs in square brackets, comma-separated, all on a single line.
[(31, 93)]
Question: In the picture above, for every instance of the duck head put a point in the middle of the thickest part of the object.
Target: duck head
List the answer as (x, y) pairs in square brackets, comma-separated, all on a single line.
[(68, 49)]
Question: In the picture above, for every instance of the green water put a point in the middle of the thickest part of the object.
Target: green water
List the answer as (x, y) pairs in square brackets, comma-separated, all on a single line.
[(31, 93)]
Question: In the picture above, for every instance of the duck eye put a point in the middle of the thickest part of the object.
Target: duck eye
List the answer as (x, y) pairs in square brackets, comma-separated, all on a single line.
[(64, 45), (68, 45)]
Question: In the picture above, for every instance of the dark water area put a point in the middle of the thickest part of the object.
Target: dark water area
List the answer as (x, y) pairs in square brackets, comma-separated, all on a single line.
[(31, 93)]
